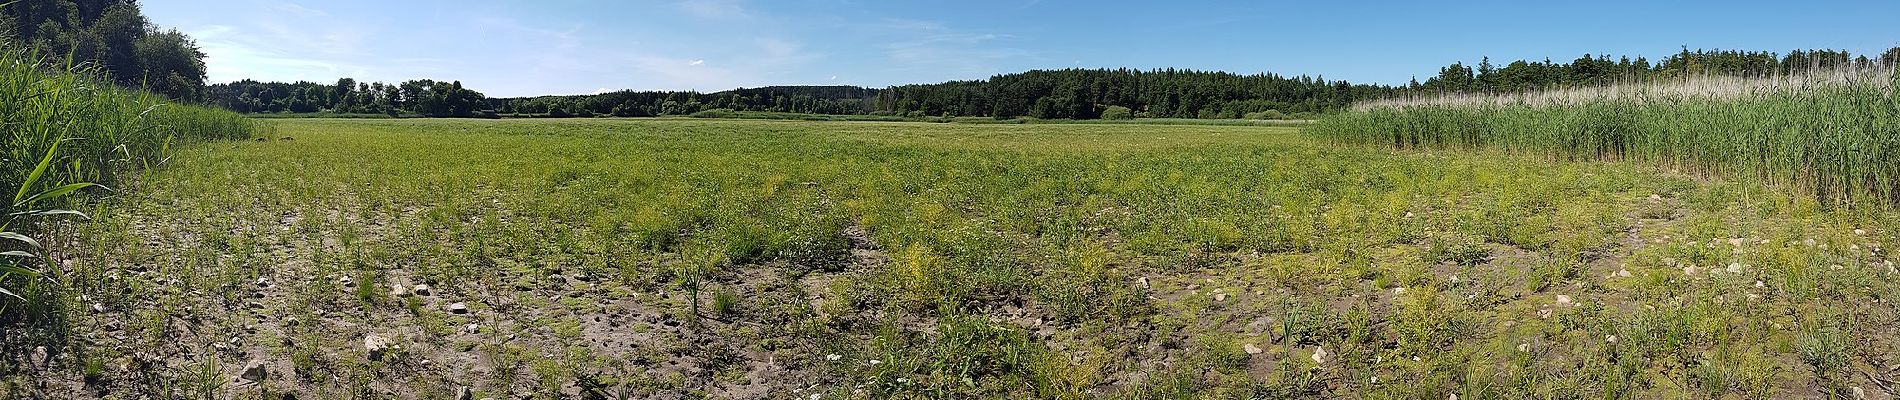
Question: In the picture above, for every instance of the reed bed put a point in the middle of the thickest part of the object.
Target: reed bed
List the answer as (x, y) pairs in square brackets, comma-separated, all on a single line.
[(1834, 134), (101, 130), (67, 131)]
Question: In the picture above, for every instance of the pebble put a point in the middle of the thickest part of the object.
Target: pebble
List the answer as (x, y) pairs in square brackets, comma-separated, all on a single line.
[(1563, 300), (376, 345), (347, 282), (255, 371), (458, 308), (1251, 349), (40, 357), (399, 290), (1319, 355), (1220, 297), (464, 393), (423, 289)]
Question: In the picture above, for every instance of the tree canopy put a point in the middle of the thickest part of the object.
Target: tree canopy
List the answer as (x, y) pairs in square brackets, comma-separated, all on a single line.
[(113, 35)]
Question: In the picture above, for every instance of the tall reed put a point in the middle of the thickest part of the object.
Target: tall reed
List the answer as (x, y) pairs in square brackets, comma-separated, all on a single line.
[(1834, 134), (65, 129)]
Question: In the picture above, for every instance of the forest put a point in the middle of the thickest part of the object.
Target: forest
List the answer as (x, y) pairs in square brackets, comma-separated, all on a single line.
[(130, 51), (1044, 94), (111, 34)]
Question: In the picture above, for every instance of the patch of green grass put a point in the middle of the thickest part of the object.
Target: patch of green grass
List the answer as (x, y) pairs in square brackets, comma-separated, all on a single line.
[(980, 260)]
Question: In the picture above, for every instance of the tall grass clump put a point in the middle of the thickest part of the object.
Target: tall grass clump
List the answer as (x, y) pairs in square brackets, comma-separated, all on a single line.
[(66, 131), (1834, 134)]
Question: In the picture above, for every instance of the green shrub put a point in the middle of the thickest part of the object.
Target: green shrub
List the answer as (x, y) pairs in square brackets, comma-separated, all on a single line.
[(1267, 115), (714, 113), (1117, 112)]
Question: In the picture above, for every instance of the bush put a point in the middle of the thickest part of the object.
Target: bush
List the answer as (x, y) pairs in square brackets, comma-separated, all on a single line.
[(1268, 114), (714, 113), (1117, 112)]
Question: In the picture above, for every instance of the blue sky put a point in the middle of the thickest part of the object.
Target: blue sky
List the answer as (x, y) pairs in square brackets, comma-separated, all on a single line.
[(519, 48)]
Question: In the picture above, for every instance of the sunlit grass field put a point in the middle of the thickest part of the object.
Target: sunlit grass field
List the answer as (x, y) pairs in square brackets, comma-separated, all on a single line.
[(795, 259)]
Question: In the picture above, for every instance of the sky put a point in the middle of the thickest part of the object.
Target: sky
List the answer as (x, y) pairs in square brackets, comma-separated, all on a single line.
[(526, 48)]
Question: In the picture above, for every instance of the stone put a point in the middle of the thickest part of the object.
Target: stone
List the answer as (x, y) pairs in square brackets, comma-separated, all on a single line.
[(1623, 273), (399, 290), (1220, 297), (1251, 349), (458, 308), (1320, 355), (423, 289), (40, 357), (1144, 283), (377, 346), (255, 371), (464, 393), (346, 281), (1563, 300)]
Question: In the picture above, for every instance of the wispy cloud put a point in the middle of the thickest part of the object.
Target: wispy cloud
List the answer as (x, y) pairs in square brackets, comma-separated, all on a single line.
[(713, 9), (295, 9), (928, 45)]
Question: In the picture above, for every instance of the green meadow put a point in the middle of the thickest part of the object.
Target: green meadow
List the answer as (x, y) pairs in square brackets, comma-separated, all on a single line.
[(716, 258)]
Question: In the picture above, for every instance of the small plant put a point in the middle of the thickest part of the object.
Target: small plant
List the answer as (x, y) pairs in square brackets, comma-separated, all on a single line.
[(1466, 250), (1823, 348), (725, 304)]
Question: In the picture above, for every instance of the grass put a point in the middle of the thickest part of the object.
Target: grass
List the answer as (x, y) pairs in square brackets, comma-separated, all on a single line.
[(684, 258), (731, 114), (1831, 134), (66, 133)]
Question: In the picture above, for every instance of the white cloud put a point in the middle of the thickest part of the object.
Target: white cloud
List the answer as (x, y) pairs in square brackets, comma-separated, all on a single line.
[(714, 9), (294, 8), (697, 63)]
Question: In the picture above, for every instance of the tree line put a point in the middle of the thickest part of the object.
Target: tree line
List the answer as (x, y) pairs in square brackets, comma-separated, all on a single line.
[(1593, 70), (421, 97), (1046, 94), (113, 36)]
